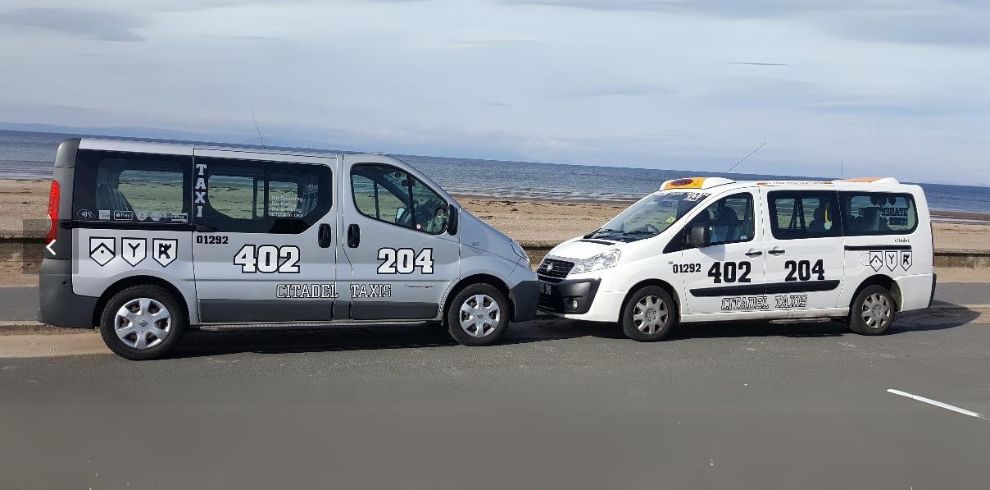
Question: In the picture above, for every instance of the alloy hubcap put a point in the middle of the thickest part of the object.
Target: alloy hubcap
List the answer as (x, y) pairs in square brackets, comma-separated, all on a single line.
[(479, 315), (650, 315), (142, 323), (876, 311)]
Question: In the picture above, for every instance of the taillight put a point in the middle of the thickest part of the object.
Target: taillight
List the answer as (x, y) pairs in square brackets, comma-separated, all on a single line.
[(53, 198)]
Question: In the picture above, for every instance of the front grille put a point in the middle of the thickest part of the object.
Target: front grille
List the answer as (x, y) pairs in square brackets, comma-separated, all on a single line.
[(557, 269)]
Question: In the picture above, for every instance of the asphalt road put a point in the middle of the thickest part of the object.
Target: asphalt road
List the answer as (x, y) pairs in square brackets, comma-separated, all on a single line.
[(21, 303), (557, 404)]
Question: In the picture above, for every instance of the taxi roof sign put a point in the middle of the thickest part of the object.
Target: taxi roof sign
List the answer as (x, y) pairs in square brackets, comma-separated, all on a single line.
[(695, 183)]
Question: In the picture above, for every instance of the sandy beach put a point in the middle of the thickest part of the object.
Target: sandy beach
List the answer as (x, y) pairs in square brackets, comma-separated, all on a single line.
[(524, 220), (545, 222)]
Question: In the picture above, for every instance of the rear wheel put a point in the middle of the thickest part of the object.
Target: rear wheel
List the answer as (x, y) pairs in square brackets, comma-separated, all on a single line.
[(142, 322), (478, 315), (872, 312), (649, 315)]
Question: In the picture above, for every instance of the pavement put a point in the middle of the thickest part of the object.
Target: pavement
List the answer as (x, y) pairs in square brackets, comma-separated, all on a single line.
[(562, 404)]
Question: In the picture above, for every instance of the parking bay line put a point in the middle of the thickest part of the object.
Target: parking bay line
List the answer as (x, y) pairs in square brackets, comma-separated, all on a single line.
[(936, 403)]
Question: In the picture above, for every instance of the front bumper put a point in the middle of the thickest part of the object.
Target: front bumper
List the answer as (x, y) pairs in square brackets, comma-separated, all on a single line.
[(568, 296), (524, 297)]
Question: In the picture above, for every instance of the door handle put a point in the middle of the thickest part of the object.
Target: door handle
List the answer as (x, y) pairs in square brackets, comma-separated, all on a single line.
[(776, 251), (754, 253), (353, 235), (324, 236), (202, 228)]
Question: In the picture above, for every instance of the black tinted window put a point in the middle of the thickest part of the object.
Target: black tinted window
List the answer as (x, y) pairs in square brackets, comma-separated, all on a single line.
[(388, 194), (803, 214), (131, 188), (264, 197), (879, 213)]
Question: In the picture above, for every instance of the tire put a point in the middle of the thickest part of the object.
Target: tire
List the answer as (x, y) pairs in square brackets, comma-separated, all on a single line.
[(472, 325), (123, 334), (873, 311), (646, 304)]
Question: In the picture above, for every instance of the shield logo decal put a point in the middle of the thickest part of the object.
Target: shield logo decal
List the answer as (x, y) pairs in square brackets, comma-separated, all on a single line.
[(102, 250), (133, 250), (164, 250), (907, 258), (891, 259), (876, 261)]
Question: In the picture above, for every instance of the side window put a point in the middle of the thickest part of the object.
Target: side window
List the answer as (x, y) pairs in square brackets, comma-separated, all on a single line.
[(879, 213), (131, 188), (388, 194), (803, 214), (431, 209), (729, 220), (236, 192), (264, 197)]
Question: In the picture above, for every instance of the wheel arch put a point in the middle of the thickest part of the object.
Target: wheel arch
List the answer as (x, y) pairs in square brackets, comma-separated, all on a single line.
[(475, 279), (140, 280), (883, 281), (666, 286)]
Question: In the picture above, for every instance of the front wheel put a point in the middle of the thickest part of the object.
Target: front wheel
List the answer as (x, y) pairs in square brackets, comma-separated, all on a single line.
[(478, 315), (649, 315), (142, 322), (872, 312)]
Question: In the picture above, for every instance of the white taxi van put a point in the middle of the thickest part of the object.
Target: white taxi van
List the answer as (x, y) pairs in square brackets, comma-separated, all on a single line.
[(712, 249)]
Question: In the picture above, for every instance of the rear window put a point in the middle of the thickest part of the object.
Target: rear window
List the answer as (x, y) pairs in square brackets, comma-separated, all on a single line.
[(113, 187), (879, 213)]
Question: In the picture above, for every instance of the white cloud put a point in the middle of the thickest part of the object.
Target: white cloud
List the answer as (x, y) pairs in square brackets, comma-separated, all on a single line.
[(631, 82)]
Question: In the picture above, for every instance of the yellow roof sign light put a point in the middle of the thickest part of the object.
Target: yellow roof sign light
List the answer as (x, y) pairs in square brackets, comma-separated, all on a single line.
[(695, 183)]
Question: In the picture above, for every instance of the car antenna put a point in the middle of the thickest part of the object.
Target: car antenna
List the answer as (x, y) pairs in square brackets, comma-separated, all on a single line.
[(258, 129), (743, 159)]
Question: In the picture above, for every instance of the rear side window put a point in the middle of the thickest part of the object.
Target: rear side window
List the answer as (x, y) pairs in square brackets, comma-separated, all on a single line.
[(113, 187), (879, 213), (264, 197), (389, 194), (803, 214)]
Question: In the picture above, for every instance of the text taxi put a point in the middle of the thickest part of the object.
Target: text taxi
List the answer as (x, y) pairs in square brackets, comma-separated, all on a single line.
[(711, 249), (149, 238)]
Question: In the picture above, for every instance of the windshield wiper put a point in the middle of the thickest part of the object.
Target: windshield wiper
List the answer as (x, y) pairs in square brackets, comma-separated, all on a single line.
[(602, 232)]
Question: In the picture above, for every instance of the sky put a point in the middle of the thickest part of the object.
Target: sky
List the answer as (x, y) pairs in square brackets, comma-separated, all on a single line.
[(838, 87)]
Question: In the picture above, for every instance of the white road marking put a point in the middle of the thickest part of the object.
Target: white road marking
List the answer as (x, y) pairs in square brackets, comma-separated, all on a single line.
[(935, 403)]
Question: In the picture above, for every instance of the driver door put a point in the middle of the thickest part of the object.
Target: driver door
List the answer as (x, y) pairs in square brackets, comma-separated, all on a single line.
[(727, 275), (396, 242)]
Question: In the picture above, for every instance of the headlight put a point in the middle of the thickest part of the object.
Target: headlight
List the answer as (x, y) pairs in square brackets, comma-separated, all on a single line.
[(601, 261), (519, 251)]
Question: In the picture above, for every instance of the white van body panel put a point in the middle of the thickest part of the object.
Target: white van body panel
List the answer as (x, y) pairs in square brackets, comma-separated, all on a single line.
[(776, 264)]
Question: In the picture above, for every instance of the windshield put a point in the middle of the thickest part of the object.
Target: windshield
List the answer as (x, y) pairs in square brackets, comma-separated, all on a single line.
[(649, 217)]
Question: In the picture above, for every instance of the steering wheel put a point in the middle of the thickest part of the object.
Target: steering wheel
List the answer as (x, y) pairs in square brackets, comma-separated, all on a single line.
[(648, 227)]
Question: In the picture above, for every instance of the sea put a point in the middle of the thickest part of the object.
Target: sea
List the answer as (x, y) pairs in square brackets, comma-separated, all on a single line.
[(29, 155)]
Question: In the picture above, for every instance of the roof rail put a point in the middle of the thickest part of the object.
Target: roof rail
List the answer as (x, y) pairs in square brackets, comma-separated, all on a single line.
[(695, 183)]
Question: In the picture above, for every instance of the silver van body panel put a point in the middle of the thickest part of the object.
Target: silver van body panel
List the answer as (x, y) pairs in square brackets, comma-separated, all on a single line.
[(201, 263)]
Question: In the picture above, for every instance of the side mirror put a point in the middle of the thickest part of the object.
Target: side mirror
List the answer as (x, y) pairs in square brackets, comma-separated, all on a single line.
[(451, 219), (699, 236), (398, 214)]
